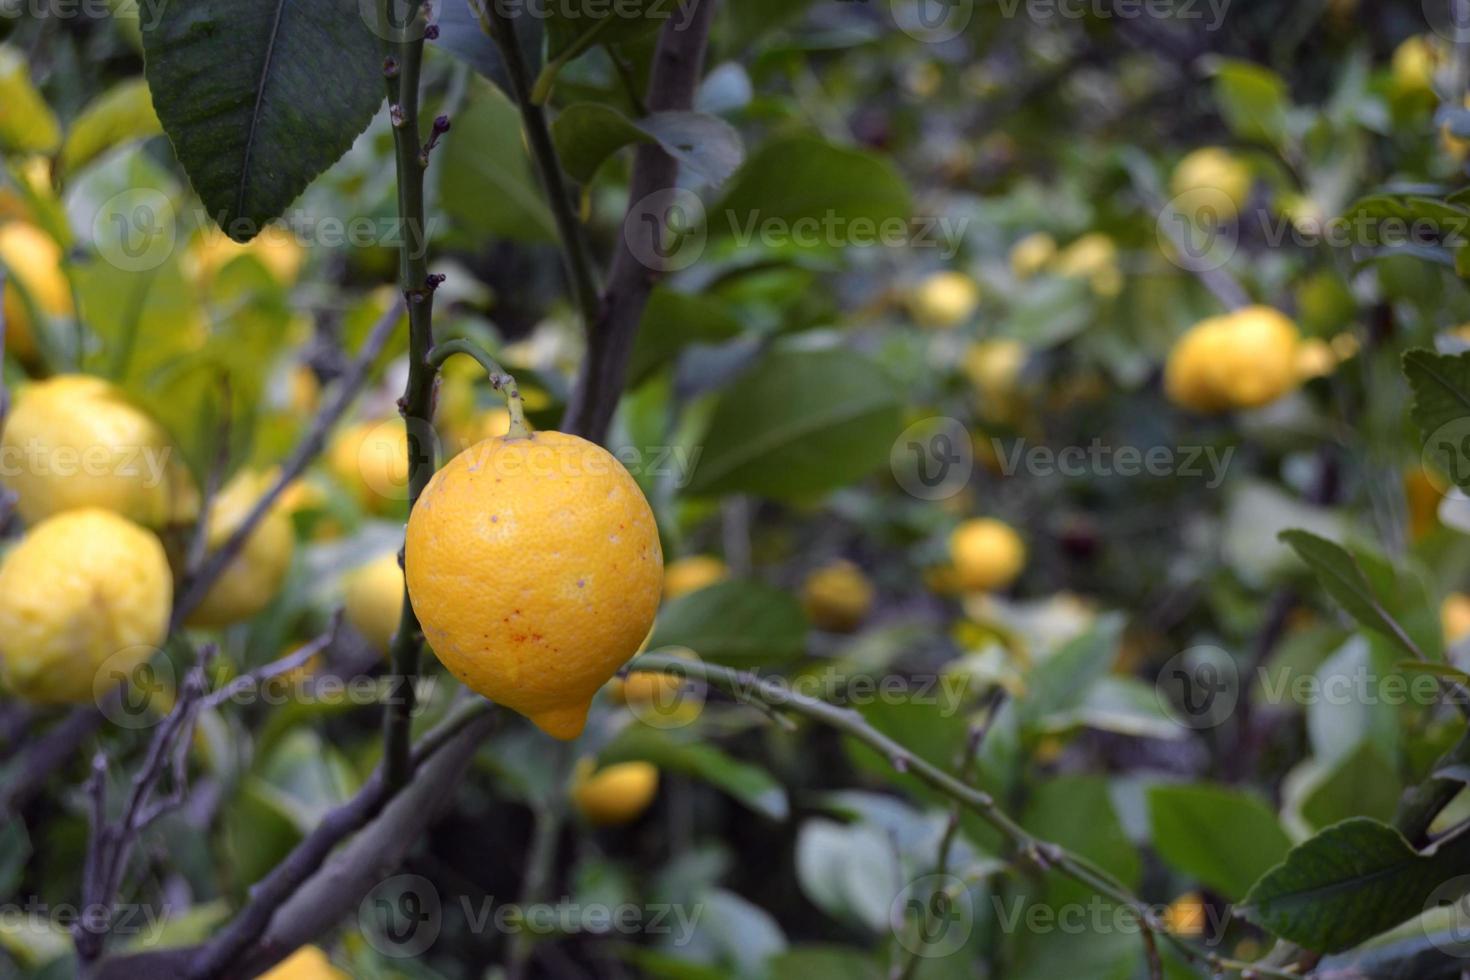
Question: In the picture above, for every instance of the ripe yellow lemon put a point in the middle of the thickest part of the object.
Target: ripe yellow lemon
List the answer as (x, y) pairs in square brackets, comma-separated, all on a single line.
[(1032, 254), (837, 598), (252, 579), (616, 795), (987, 555), (1214, 169), (83, 589), (33, 259), (1187, 916), (692, 574), (375, 600), (535, 567), (945, 300), (307, 963), (371, 460), (76, 441), (1244, 359)]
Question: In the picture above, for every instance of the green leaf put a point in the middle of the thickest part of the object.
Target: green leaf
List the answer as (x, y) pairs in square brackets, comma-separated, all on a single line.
[(121, 114), (736, 623), (804, 179), (1441, 385), (1063, 680), (1077, 812), (587, 133), (1221, 837), (1343, 578), (1253, 100), (27, 124), (749, 784), (805, 962), (577, 25), (1362, 783), (486, 183), (673, 320), (260, 98), (1350, 883), (798, 425)]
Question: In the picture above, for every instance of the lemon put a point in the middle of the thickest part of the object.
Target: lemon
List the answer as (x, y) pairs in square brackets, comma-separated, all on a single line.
[(32, 259), (945, 300), (1186, 916), (1032, 254), (535, 567), (1213, 169), (275, 248), (1093, 257), (1423, 499), (371, 460), (988, 555), (838, 597), (1240, 360), (692, 574), (616, 795), (1454, 616), (83, 589), (1315, 358), (375, 600), (1455, 147), (307, 963), (252, 579), (1415, 63), (76, 441)]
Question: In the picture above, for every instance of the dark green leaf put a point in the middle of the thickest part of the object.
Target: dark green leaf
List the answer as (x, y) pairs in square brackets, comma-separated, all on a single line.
[(486, 183), (589, 132), (673, 320), (1360, 784), (800, 424), (803, 179), (260, 98), (1441, 385), (1343, 578), (1221, 837), (739, 624), (1348, 884)]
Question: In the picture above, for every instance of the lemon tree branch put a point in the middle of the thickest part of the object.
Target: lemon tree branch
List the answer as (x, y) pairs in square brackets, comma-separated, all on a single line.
[(500, 379), (1043, 854)]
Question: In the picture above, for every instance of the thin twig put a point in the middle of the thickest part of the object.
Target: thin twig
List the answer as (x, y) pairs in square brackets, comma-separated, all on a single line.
[(577, 253), (263, 675), (308, 449)]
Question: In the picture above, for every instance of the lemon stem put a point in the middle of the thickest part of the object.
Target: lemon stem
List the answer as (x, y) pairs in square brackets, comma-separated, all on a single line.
[(500, 379)]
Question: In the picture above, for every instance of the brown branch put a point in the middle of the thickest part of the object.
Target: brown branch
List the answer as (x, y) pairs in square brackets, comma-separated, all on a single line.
[(677, 69)]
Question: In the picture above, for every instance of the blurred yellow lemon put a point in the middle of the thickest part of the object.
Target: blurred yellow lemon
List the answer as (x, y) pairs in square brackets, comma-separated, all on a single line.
[(83, 591), (275, 248), (838, 597), (1093, 257), (32, 261), (374, 600), (1214, 169), (944, 300), (76, 441), (987, 555), (1240, 360), (254, 577), (1187, 916), (1415, 63), (307, 963), (615, 795), (1032, 254), (1454, 616), (692, 574), (371, 460)]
